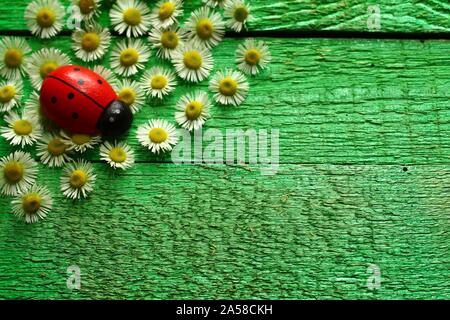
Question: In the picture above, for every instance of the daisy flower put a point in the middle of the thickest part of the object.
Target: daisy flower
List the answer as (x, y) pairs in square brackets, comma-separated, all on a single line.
[(52, 150), (129, 56), (215, 3), (229, 87), (45, 18), (192, 63), (106, 74), (165, 13), (205, 27), (89, 9), (77, 179), (21, 130), (238, 13), (193, 110), (252, 56), (17, 173), (130, 94), (10, 94), (79, 142), (131, 17), (117, 154), (167, 40), (158, 82), (91, 44), (32, 205), (157, 135), (43, 62), (13, 52)]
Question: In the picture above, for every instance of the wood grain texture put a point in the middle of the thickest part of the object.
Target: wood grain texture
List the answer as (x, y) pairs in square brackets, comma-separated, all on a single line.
[(225, 232), (341, 15), (334, 101)]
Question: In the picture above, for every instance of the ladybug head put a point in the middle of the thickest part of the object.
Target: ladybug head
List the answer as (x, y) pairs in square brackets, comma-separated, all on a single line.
[(115, 120)]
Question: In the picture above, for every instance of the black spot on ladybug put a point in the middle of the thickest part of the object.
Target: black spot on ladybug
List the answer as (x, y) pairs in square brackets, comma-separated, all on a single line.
[(80, 82), (54, 100), (77, 69), (70, 96), (74, 115), (100, 81)]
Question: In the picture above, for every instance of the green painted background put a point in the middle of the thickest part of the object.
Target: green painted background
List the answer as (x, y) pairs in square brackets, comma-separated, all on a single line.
[(364, 176)]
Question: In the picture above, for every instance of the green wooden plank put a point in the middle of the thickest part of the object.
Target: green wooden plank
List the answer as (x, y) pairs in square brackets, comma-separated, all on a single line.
[(333, 100), (164, 231), (342, 15)]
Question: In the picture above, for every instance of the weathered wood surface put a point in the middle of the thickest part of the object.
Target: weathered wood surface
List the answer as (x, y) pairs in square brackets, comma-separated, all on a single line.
[(166, 231), (334, 101), (340, 15)]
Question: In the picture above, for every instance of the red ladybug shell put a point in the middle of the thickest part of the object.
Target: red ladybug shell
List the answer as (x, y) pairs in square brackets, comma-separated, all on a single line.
[(74, 98)]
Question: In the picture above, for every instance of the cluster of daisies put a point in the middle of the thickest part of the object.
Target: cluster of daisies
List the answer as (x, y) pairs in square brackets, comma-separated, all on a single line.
[(187, 48)]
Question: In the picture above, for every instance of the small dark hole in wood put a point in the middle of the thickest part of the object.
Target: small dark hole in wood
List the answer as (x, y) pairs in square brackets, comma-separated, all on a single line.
[(372, 65), (405, 169)]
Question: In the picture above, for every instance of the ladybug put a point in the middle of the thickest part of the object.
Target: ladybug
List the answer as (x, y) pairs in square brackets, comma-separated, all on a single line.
[(81, 101)]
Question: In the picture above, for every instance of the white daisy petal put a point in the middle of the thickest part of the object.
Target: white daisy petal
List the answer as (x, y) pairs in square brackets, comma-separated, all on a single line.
[(192, 63), (157, 135), (33, 205), (166, 41), (238, 14), (21, 130), (193, 110), (166, 13), (52, 150), (79, 142), (229, 87), (130, 17), (78, 179), (106, 74), (17, 173), (205, 27), (89, 9), (45, 18), (43, 62), (129, 56), (10, 94), (130, 94), (13, 55), (158, 82), (91, 43), (215, 3), (117, 155), (252, 56)]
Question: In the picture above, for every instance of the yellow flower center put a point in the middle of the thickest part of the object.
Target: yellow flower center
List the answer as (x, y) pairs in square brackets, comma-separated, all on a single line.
[(45, 17), (194, 110), (192, 60), (22, 127), (169, 39), (56, 147), (118, 155), (31, 203), (13, 58), (158, 135), (228, 86), (166, 10), (86, 6), (81, 139), (127, 96), (7, 93), (90, 41), (252, 56), (129, 57), (13, 172), (205, 28), (78, 178), (159, 82), (240, 14), (47, 67), (132, 16)]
